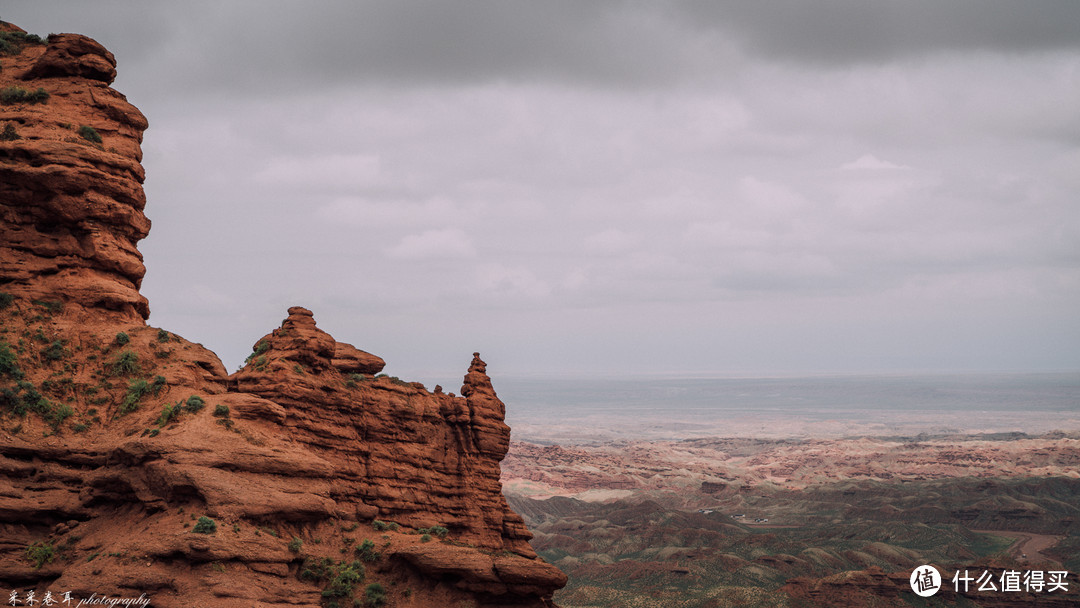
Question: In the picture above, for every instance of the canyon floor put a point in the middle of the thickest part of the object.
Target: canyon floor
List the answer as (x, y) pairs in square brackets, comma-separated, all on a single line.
[(715, 522)]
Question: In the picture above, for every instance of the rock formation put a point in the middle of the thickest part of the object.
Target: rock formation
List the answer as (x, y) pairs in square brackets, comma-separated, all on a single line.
[(131, 463)]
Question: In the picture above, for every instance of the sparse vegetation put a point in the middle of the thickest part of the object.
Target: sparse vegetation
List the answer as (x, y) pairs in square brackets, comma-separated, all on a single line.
[(5, 299), (41, 553), (316, 569), (18, 95), (382, 525), (9, 362), (260, 347), (365, 551), (126, 363), (345, 578), (162, 335), (194, 403), (439, 531), (295, 544), (221, 410), (11, 43), (425, 538), (374, 595), (50, 306), (122, 338), (137, 389), (26, 398), (55, 351), (205, 525), (169, 413), (9, 133), (89, 134)]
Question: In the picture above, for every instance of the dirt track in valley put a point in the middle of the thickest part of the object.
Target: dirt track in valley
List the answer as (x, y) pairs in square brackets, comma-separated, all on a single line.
[(1029, 544)]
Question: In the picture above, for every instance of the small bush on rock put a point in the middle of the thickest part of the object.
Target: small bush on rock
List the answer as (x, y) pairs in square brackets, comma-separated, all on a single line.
[(205, 525)]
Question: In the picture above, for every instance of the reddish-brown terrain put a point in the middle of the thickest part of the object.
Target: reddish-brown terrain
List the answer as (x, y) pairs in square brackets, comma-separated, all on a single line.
[(326, 481), (837, 522), (608, 470)]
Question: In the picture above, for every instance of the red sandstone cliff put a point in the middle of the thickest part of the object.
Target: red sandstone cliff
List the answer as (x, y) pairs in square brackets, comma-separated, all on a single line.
[(322, 476)]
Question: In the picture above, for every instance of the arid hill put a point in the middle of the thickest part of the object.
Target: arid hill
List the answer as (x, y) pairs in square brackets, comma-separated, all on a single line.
[(727, 522), (131, 463)]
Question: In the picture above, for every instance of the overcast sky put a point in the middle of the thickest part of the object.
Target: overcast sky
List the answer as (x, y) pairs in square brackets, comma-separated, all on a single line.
[(611, 187)]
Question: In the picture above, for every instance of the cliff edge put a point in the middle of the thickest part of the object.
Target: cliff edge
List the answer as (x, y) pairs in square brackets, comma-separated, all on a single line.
[(132, 464)]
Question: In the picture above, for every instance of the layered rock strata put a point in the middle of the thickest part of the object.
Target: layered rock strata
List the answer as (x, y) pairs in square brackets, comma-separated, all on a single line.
[(131, 463), (71, 196)]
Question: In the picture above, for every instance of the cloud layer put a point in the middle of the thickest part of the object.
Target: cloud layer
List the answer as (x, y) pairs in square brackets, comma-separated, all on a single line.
[(612, 187)]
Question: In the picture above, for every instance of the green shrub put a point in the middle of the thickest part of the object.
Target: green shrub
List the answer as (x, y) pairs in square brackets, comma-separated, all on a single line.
[(126, 363), (366, 551), (137, 389), (50, 306), (57, 414), (55, 351), (425, 538), (16, 95), (9, 362), (169, 413), (13, 42), (316, 569), (374, 595), (260, 347), (41, 553), (162, 335), (205, 525), (80, 427), (345, 579), (382, 525), (439, 531), (295, 544), (122, 338), (9, 133), (89, 134), (5, 299), (159, 383), (194, 403), (221, 410)]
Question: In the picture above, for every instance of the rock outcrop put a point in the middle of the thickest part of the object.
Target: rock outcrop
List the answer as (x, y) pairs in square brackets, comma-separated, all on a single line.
[(131, 463), (71, 194)]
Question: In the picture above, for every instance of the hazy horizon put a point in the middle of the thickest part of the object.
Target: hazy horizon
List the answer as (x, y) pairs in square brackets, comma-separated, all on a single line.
[(611, 188)]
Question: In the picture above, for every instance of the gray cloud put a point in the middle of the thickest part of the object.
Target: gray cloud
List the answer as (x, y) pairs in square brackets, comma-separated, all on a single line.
[(612, 186), (850, 31)]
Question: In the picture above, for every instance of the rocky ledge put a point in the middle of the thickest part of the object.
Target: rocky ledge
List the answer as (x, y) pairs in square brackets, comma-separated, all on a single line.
[(132, 463)]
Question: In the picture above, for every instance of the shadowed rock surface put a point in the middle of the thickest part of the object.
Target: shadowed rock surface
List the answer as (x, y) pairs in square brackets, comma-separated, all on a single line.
[(318, 477)]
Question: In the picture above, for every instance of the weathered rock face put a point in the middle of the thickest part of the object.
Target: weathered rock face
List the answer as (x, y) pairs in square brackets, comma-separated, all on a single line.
[(429, 459), (115, 437), (70, 208)]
